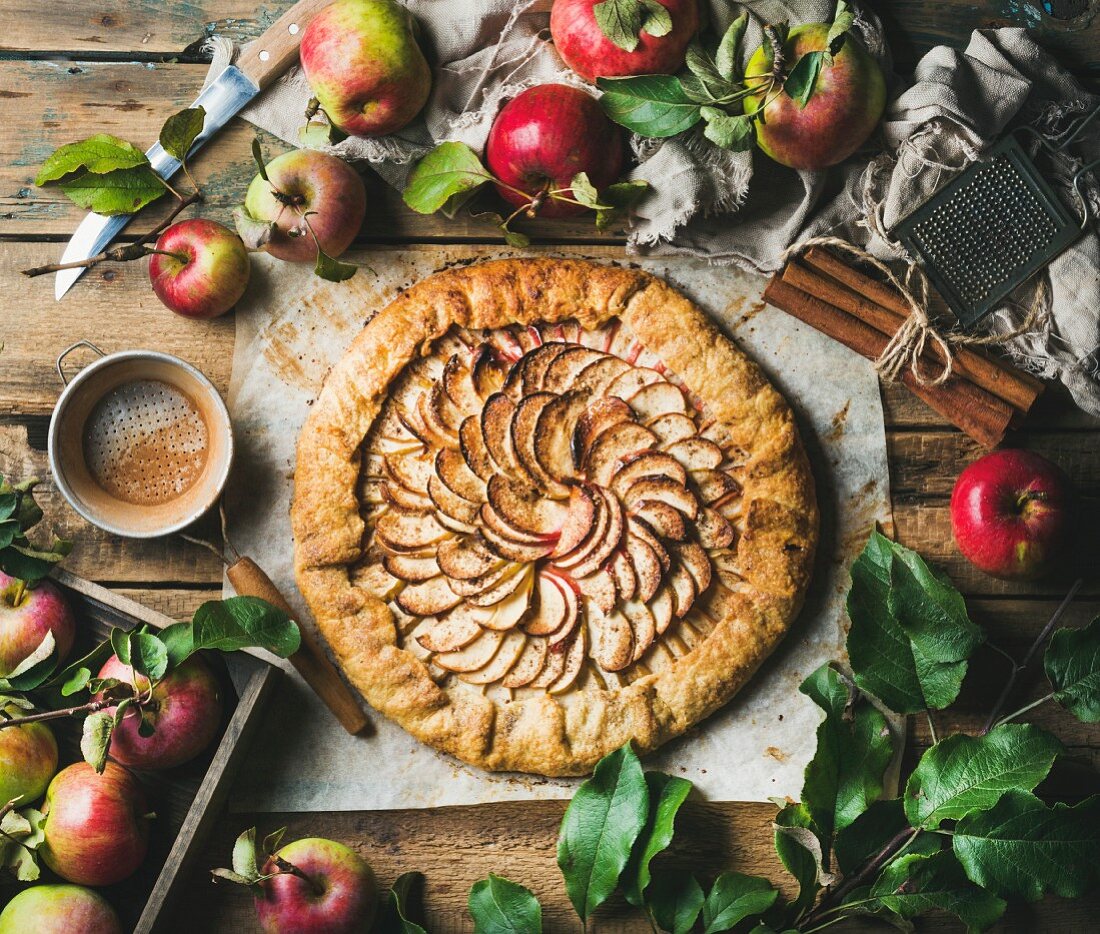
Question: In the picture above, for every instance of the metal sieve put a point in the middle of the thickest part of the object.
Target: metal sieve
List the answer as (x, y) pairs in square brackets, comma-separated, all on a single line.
[(140, 442)]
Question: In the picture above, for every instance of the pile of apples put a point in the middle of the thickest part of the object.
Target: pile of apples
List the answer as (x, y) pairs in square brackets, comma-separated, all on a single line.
[(96, 826)]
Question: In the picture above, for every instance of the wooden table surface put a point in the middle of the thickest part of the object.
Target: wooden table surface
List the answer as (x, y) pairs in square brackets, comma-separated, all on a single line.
[(120, 66)]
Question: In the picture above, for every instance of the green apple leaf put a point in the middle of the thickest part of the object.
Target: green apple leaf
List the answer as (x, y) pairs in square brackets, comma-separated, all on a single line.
[(331, 269), (1072, 664), (448, 170), (96, 155), (499, 906), (585, 192), (800, 83), (272, 841), (1020, 848), (857, 843), (123, 191), (95, 738), (970, 773), (734, 133), (621, 21), (913, 884), (148, 655), (72, 677), (725, 58), (735, 897), (799, 856), (9, 532), (254, 233), (30, 564), (843, 21), (910, 635), (709, 80), (600, 826), (179, 641), (35, 669), (620, 199), (20, 835), (397, 918), (651, 105), (666, 794), (512, 237), (180, 130), (675, 898), (244, 855), (244, 622), (807, 840), (854, 746)]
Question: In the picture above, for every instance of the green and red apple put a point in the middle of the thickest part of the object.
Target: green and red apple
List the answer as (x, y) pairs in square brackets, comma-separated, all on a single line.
[(847, 99), (97, 826), (367, 71), (307, 185), (200, 269), (28, 759), (27, 614), (185, 713), (59, 909)]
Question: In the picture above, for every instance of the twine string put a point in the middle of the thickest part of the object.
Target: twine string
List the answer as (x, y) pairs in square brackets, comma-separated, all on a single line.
[(905, 349)]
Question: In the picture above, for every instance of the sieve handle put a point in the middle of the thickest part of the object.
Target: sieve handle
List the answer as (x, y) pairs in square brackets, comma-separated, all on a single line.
[(249, 580), (68, 350)]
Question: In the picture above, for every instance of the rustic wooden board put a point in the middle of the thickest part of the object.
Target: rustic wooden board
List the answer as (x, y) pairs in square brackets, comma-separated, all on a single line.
[(153, 29)]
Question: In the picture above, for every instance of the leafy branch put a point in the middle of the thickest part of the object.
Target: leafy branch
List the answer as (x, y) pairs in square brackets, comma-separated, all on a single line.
[(448, 176)]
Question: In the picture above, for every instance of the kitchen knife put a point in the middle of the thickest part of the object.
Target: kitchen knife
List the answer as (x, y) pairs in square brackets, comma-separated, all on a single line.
[(258, 65)]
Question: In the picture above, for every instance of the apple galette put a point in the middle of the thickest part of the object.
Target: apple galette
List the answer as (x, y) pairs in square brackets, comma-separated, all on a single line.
[(543, 507)]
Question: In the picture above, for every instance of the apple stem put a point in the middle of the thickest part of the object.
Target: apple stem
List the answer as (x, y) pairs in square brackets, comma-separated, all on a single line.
[(90, 707), (122, 253), (285, 866), (180, 256), (777, 52), (311, 108), (1017, 669), (18, 592)]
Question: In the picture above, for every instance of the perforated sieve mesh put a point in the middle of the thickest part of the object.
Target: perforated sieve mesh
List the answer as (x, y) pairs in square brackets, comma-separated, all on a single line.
[(145, 442)]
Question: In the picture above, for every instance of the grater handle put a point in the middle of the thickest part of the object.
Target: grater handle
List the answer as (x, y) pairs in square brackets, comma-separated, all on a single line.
[(68, 350)]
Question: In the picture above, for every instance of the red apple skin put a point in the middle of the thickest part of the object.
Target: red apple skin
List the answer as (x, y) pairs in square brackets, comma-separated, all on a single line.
[(363, 63), (1012, 514), (548, 134), (326, 185), (207, 271), (847, 103), (59, 909), (26, 615), (28, 760), (347, 900), (582, 44), (96, 827), (186, 713)]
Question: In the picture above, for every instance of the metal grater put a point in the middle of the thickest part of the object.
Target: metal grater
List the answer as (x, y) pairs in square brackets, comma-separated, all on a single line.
[(993, 227)]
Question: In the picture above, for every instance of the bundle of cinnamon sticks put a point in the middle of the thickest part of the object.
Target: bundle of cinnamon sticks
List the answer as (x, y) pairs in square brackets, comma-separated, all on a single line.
[(982, 397)]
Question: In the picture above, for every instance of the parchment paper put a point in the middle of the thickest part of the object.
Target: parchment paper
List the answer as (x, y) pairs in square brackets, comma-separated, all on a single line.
[(292, 327)]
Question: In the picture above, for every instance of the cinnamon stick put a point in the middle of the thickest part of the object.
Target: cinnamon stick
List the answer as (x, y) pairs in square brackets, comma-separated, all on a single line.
[(861, 295), (983, 416)]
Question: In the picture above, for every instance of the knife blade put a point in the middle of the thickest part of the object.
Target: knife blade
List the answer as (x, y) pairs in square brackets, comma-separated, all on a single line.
[(222, 98)]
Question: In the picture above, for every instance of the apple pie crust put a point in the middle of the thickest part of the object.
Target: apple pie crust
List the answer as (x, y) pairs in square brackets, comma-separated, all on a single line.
[(543, 507)]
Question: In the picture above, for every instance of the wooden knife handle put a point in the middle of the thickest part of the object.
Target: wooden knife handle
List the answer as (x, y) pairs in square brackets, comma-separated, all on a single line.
[(277, 49), (249, 580)]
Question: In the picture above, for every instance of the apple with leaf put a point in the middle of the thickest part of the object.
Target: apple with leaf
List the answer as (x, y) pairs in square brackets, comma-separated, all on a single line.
[(309, 885)]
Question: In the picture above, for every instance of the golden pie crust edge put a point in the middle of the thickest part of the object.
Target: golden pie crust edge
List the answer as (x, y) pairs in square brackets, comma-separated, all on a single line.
[(540, 734)]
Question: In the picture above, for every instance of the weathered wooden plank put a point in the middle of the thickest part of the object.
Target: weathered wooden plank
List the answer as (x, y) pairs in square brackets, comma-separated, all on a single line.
[(155, 28), (455, 847), (58, 102)]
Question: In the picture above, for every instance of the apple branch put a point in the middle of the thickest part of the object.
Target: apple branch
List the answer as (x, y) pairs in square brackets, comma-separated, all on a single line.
[(1017, 669), (91, 707), (124, 253)]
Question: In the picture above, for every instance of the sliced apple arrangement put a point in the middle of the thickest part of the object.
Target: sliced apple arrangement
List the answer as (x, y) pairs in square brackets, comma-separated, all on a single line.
[(545, 501)]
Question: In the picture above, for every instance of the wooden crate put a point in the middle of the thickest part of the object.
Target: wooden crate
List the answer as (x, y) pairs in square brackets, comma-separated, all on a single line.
[(187, 800)]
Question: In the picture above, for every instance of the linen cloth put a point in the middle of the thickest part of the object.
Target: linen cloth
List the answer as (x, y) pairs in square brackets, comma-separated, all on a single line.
[(742, 208)]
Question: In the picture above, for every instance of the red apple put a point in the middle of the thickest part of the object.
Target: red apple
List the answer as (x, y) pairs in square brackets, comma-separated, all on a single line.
[(307, 181), (185, 712), (1012, 514), (200, 270), (580, 41), (338, 896), (363, 63), (97, 826), (28, 759), (26, 615), (544, 137), (59, 909), (847, 101)]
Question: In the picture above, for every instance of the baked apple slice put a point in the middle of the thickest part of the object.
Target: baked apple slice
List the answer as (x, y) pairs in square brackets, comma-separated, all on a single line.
[(612, 640), (474, 656), (467, 558), (613, 448), (454, 631), (657, 399), (529, 665), (428, 598)]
